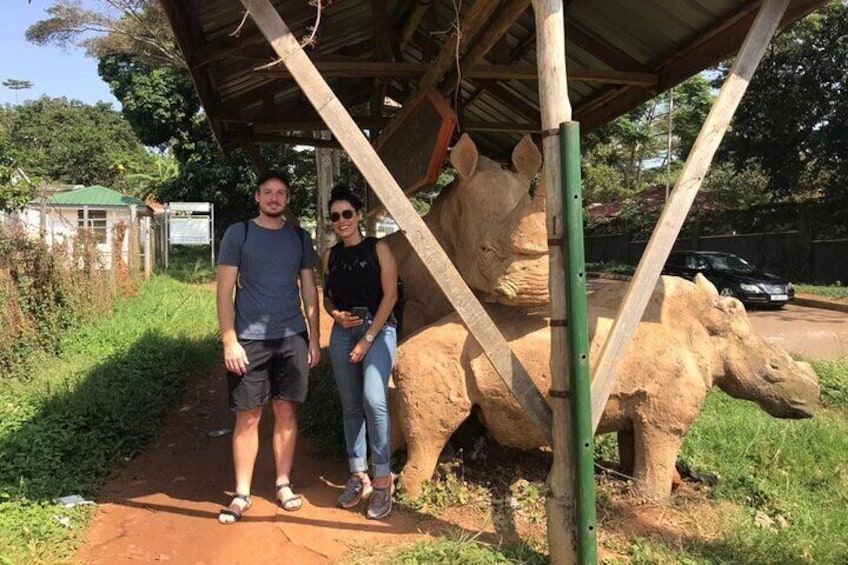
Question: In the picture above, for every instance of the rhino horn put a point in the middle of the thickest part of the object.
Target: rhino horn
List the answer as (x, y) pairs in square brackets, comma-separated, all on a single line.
[(528, 234)]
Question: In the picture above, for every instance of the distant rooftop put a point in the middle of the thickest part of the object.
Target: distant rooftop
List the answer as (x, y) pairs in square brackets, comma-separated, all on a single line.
[(95, 196)]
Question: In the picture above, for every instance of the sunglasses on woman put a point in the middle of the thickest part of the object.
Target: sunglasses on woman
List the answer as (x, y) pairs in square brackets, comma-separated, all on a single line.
[(346, 214)]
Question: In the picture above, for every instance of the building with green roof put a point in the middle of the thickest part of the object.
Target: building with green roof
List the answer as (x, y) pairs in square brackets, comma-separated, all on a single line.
[(94, 196), (97, 208)]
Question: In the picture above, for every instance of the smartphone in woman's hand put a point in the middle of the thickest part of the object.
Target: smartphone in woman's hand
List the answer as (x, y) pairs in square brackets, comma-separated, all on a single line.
[(360, 312)]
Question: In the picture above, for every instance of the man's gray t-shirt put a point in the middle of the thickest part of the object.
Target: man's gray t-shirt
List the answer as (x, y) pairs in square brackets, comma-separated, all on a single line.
[(269, 261)]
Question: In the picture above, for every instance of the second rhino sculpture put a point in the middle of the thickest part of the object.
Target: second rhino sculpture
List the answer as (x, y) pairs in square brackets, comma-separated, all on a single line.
[(690, 339)]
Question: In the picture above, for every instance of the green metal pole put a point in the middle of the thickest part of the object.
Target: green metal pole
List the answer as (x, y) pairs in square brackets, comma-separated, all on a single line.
[(578, 344)]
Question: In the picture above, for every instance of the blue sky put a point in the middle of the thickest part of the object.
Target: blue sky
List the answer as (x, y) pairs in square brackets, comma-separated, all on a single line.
[(52, 71)]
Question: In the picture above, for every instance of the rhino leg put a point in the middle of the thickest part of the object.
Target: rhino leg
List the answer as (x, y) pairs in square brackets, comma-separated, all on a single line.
[(427, 432), (655, 455)]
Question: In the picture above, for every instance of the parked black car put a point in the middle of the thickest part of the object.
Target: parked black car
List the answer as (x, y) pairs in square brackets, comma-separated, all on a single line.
[(732, 276)]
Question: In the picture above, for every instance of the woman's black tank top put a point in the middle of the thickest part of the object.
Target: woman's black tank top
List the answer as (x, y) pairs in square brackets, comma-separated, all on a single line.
[(354, 276)]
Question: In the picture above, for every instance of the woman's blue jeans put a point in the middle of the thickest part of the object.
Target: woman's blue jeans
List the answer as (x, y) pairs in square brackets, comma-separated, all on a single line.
[(363, 388)]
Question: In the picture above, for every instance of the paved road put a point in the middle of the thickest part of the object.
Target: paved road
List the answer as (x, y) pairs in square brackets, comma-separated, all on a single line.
[(811, 332)]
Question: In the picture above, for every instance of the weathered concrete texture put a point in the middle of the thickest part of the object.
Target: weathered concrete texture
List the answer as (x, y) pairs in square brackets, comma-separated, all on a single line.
[(690, 340)]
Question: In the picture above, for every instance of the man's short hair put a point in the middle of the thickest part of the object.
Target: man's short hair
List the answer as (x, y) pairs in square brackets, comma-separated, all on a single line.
[(271, 175)]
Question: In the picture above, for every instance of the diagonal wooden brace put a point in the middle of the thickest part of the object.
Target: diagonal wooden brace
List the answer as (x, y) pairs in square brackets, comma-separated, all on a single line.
[(391, 195)]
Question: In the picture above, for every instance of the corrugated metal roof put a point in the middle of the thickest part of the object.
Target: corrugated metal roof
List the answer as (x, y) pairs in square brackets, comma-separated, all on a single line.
[(95, 196), (619, 53)]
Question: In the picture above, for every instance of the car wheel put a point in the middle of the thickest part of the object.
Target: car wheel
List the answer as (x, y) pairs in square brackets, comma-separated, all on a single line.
[(726, 291)]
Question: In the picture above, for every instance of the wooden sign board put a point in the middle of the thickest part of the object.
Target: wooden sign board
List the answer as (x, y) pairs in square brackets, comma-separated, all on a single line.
[(413, 147)]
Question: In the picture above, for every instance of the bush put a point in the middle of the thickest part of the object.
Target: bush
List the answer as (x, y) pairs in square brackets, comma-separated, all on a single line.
[(44, 292)]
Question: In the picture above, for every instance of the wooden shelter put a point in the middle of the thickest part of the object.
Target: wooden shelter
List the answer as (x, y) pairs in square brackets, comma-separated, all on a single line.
[(502, 67), (619, 53)]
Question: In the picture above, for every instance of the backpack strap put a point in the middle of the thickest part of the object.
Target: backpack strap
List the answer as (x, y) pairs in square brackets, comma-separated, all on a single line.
[(243, 239)]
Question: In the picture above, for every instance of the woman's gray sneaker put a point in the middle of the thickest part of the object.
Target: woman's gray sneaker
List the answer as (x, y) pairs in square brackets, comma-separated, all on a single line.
[(355, 490), (380, 504)]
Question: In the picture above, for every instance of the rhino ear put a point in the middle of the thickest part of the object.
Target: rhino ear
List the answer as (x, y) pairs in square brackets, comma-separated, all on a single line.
[(526, 159), (464, 156)]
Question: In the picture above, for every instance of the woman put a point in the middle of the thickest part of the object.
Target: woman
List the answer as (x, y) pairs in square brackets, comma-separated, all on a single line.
[(360, 292)]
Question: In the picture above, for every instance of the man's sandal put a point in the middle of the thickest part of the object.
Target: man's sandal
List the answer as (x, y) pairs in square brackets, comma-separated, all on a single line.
[(240, 504), (291, 503)]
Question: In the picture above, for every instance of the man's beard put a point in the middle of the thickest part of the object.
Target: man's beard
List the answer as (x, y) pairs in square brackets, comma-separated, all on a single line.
[(273, 213)]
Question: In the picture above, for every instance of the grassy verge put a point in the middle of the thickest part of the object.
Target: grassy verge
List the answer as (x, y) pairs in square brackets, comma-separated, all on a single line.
[(789, 480), (77, 416), (836, 291), (614, 268)]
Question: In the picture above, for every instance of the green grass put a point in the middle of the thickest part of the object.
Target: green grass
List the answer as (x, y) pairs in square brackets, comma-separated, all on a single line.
[(190, 264), (77, 416), (468, 550), (837, 290), (794, 472)]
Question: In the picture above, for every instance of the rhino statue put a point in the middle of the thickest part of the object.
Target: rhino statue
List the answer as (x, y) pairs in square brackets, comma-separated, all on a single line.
[(689, 340), (492, 229)]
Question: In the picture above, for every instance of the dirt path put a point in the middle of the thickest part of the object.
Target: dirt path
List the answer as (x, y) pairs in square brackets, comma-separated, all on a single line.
[(163, 505)]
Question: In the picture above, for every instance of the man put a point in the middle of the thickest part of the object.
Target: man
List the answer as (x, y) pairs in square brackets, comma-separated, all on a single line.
[(268, 346)]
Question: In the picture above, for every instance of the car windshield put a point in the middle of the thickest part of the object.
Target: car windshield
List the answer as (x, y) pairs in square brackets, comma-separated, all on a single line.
[(730, 263)]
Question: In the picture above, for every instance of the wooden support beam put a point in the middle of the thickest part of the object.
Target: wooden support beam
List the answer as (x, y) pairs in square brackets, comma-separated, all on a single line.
[(399, 71), (674, 214), (324, 236), (555, 108), (512, 101), (502, 127), (430, 42), (286, 140), (510, 12), (314, 124), (360, 69), (412, 21), (471, 24), (184, 36), (391, 195)]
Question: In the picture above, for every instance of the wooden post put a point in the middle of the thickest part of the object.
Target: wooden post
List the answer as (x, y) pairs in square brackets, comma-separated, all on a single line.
[(419, 236), (132, 242), (555, 109), (672, 218), (324, 166), (42, 213), (148, 247)]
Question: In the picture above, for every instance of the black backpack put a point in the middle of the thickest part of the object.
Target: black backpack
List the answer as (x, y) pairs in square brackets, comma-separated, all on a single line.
[(396, 317)]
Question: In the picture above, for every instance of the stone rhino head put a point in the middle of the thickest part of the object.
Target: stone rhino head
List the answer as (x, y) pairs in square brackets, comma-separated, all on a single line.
[(491, 226), (746, 366)]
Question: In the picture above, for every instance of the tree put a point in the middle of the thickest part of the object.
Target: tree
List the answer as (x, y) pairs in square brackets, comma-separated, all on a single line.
[(137, 28), (71, 142), (793, 120), (16, 85), (630, 153), (158, 101), (15, 193)]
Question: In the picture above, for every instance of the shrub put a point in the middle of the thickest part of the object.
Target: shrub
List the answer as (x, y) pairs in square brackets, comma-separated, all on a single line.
[(44, 292)]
